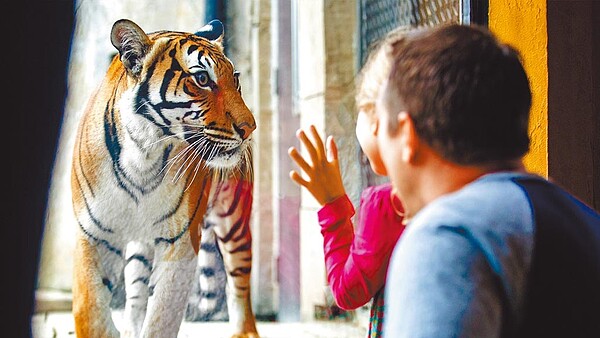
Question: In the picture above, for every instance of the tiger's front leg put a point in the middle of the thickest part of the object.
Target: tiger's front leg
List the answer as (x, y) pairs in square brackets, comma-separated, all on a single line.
[(230, 215), (238, 292), (138, 269), (170, 285), (91, 296)]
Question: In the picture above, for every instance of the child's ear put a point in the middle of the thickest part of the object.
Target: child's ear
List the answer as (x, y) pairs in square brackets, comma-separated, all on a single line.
[(374, 127), (408, 137)]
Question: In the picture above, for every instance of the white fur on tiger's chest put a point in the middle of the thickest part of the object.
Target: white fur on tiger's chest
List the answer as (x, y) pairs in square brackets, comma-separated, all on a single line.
[(121, 215)]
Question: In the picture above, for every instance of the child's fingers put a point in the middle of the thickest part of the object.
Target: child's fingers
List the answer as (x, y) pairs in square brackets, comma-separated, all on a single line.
[(312, 152), (318, 142), (298, 179), (332, 151), (295, 155)]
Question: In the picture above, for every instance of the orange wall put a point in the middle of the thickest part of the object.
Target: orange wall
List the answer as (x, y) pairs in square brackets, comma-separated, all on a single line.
[(522, 24)]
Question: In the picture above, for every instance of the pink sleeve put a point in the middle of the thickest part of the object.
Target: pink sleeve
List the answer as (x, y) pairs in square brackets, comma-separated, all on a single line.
[(356, 259)]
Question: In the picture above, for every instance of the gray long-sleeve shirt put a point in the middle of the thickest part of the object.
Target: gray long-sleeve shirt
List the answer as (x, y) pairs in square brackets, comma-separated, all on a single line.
[(461, 263)]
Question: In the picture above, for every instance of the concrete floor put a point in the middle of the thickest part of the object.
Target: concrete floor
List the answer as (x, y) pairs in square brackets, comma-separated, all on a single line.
[(59, 324)]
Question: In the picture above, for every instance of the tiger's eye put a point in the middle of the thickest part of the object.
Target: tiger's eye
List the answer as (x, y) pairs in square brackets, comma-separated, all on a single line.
[(202, 78)]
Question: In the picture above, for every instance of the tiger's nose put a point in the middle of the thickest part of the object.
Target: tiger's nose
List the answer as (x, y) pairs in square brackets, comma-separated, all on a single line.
[(244, 129)]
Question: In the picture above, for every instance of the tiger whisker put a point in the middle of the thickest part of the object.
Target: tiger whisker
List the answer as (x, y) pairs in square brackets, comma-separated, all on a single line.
[(202, 138), (199, 150), (183, 152), (179, 156), (248, 161), (186, 151), (179, 173), (211, 153), (207, 153), (164, 138), (200, 165), (170, 162), (195, 173), (191, 158), (145, 103)]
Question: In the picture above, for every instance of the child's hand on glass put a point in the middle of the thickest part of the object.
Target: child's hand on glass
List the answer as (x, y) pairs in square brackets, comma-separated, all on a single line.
[(323, 178)]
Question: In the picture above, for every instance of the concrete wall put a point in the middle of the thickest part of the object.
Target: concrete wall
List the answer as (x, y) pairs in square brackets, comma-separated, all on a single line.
[(264, 204), (522, 24), (326, 70)]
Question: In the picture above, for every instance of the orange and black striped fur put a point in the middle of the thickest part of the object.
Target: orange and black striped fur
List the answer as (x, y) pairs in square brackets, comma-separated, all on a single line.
[(164, 144)]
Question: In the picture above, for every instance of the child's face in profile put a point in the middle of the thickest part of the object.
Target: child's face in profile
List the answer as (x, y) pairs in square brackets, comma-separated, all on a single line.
[(366, 133)]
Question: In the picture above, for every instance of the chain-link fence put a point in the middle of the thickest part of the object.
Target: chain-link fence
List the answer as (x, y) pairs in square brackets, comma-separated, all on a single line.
[(377, 17)]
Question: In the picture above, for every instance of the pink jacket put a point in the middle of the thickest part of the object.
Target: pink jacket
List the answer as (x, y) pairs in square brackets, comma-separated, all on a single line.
[(357, 261)]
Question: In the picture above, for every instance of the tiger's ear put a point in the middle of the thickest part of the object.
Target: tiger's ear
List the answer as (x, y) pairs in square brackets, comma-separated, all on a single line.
[(132, 43), (213, 31)]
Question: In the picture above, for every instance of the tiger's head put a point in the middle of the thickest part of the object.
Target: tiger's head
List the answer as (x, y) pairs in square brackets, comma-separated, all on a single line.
[(185, 86)]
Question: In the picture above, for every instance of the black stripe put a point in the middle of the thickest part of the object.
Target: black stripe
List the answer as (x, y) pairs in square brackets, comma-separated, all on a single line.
[(222, 130), (111, 140), (81, 141), (191, 49), (166, 81), (237, 272), (154, 181), (173, 105), (199, 113), (187, 90), (172, 211), (245, 229), (209, 248), (142, 259), (100, 241), (142, 98), (236, 226), (182, 42), (207, 271), (107, 283), (208, 294), (178, 83), (160, 163), (144, 280), (218, 137), (111, 137), (121, 183), (187, 226), (138, 143), (236, 199), (145, 114), (244, 247), (175, 65), (95, 221)]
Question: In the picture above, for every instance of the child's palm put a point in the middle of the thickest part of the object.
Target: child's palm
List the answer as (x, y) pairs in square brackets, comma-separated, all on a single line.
[(321, 167)]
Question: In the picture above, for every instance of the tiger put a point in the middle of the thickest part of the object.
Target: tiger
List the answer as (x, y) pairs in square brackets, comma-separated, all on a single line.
[(163, 147)]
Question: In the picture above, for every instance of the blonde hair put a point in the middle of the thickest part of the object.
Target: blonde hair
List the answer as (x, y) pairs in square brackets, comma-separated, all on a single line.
[(376, 70)]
